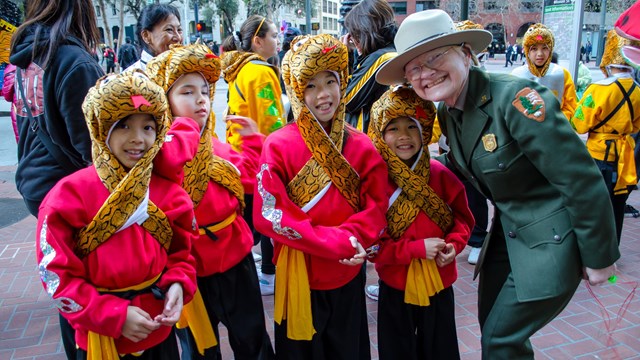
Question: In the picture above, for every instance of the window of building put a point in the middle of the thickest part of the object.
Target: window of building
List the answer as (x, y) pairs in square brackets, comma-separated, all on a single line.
[(492, 6), (426, 5), (113, 10), (399, 7), (530, 6), (97, 10), (324, 6)]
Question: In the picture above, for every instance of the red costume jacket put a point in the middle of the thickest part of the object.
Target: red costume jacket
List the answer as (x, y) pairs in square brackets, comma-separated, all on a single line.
[(325, 229), (234, 241), (393, 259), (128, 258)]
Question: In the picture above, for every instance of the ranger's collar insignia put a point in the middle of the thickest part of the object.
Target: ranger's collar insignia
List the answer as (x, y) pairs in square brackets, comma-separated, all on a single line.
[(489, 142), (530, 103)]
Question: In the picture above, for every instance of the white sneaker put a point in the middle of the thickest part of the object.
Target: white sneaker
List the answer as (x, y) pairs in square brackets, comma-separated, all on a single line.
[(473, 255), (372, 291), (267, 282), (256, 257)]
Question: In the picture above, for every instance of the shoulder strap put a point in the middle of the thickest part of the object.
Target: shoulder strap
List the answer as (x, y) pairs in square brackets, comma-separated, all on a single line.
[(625, 99), (53, 149)]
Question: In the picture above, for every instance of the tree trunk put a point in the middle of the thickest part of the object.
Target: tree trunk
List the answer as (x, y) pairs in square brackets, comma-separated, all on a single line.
[(107, 30), (121, 32)]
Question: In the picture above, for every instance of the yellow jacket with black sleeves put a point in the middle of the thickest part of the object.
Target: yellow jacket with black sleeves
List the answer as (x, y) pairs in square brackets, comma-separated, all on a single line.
[(600, 100)]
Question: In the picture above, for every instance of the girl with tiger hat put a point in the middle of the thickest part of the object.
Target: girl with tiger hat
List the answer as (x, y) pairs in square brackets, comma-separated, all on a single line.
[(114, 239), (320, 197), (429, 224), (610, 113), (216, 180), (538, 45)]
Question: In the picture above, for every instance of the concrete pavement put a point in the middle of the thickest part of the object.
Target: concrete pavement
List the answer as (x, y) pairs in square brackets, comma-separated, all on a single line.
[(29, 323)]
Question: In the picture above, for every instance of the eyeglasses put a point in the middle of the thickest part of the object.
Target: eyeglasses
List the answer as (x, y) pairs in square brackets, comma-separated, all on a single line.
[(433, 62)]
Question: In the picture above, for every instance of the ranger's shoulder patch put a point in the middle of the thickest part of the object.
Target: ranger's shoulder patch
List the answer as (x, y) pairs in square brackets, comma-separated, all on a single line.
[(530, 103)]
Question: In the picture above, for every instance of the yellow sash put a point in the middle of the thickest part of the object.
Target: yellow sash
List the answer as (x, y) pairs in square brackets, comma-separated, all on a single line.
[(624, 145), (293, 295), (221, 225), (194, 315), (423, 281), (101, 347)]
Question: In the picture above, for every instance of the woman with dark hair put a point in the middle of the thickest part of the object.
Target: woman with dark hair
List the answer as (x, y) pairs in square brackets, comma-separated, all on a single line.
[(370, 29), (52, 51), (158, 27), (254, 92)]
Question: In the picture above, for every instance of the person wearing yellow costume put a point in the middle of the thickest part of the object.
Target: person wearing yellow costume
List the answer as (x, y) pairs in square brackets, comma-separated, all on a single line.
[(538, 45), (610, 112), (429, 224), (320, 197), (254, 92), (254, 88), (114, 239)]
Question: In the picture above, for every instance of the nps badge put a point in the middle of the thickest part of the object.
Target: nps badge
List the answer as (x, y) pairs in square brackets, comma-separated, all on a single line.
[(530, 104), (489, 142)]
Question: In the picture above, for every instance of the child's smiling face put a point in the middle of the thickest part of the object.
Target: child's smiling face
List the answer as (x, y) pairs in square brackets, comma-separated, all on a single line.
[(131, 138), (404, 138), (322, 96)]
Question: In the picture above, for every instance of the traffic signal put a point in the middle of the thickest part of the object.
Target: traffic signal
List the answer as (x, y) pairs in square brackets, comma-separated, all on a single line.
[(201, 27)]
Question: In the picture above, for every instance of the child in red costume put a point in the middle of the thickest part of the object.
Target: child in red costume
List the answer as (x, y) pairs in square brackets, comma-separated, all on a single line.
[(216, 179), (320, 197), (429, 224), (114, 239)]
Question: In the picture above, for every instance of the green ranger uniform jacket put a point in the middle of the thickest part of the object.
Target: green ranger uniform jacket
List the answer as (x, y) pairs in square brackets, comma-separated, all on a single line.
[(514, 144)]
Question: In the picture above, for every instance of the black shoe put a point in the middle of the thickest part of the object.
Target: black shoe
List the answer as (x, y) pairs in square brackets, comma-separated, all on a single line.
[(630, 211)]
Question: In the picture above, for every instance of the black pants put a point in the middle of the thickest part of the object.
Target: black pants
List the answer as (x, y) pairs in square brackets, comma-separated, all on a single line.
[(266, 248), (480, 210), (233, 299), (340, 321), (166, 350), (414, 332)]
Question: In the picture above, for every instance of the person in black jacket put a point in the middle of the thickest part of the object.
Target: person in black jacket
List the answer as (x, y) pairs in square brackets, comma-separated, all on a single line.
[(52, 50), (370, 29)]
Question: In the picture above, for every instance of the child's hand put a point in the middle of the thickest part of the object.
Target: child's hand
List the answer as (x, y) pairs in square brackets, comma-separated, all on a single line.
[(172, 306), (138, 324), (360, 255), (249, 126), (446, 255), (433, 246)]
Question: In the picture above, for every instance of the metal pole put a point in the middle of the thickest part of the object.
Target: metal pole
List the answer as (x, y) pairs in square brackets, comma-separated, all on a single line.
[(574, 58), (602, 32), (185, 23), (464, 10), (307, 6)]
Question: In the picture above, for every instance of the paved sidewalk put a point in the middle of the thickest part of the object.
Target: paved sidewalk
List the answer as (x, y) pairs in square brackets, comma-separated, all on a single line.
[(29, 323)]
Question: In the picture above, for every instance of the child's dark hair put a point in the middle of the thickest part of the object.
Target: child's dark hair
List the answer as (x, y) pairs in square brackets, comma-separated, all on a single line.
[(150, 16), (371, 24), (255, 25)]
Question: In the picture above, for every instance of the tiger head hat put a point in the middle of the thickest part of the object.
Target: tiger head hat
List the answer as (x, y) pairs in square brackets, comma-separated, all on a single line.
[(612, 55), (308, 56), (538, 34), (167, 68), (111, 100)]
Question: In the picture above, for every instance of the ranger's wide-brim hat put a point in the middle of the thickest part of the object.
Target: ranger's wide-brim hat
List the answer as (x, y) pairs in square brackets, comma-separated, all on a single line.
[(422, 32)]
